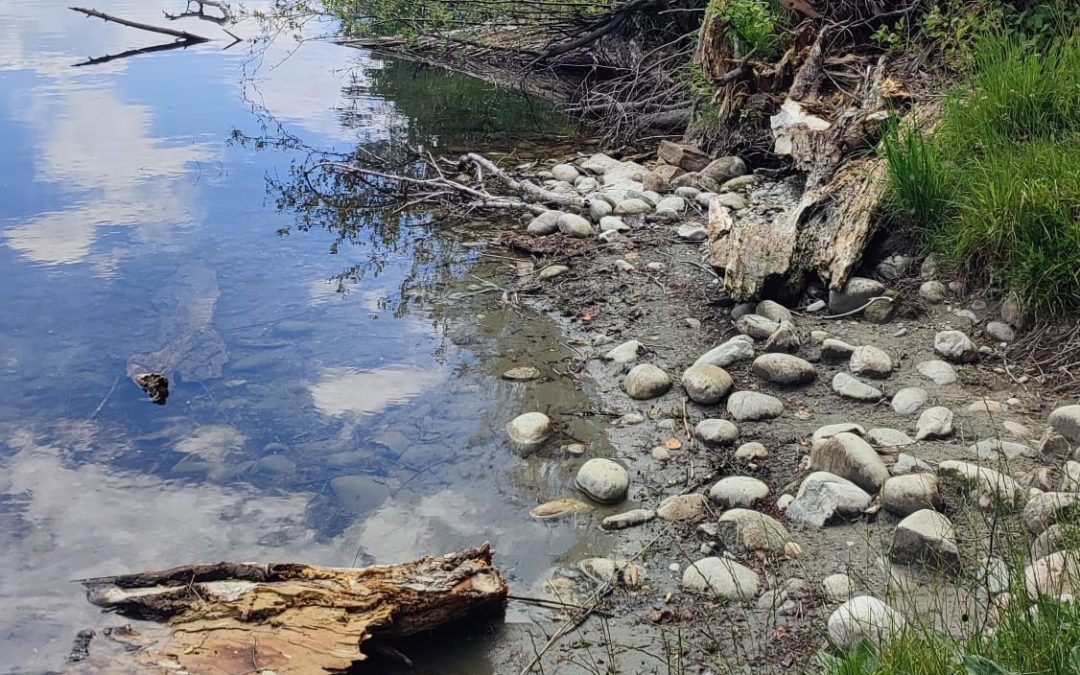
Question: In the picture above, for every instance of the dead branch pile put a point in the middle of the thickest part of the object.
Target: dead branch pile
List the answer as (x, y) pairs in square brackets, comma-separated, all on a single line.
[(293, 618), (469, 185)]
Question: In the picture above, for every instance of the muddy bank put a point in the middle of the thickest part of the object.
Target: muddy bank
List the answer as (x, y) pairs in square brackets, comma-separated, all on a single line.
[(846, 422)]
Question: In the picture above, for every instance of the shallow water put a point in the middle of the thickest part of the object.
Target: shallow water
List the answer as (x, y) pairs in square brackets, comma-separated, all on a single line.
[(331, 401)]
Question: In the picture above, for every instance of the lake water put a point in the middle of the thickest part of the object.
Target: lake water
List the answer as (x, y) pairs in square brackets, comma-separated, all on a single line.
[(333, 399)]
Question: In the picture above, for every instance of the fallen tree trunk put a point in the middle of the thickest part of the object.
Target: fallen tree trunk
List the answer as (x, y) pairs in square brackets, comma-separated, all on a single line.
[(294, 618)]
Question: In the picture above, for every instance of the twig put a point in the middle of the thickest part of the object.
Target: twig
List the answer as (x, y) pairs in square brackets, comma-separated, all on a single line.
[(179, 34), (105, 400), (859, 309)]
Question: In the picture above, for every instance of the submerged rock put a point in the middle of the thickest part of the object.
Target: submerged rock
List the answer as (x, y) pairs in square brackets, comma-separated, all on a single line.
[(559, 508)]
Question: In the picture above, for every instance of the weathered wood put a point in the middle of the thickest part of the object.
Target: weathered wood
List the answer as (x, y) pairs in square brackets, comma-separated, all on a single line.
[(295, 618), (178, 34)]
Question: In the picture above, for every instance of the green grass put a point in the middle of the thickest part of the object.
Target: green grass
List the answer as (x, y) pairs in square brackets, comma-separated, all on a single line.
[(996, 188), (1041, 637)]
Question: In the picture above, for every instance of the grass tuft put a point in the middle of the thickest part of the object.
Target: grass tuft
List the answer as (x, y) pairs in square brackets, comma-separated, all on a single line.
[(996, 188)]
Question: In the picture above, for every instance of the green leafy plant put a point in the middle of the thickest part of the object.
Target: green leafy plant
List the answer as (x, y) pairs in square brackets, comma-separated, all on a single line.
[(753, 25)]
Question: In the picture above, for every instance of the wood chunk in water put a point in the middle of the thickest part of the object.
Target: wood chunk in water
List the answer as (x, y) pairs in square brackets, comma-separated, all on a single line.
[(155, 385)]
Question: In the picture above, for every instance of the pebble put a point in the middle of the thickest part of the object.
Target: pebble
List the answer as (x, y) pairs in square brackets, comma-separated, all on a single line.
[(830, 430), (908, 464), (871, 362), (632, 207), (544, 224), (645, 381), (783, 340), (682, 507), (784, 369), (552, 271), (624, 266), (627, 352), (736, 349), (904, 495), (673, 204), (933, 292), (692, 233), (574, 225), (1066, 421), (884, 437), (1043, 510), (530, 429), (864, 618), (1000, 331), (631, 518), (955, 346), (853, 388), (715, 431), (599, 209), (834, 351), (706, 384), (745, 530), (925, 537), (784, 501), (607, 570), (1058, 575), (757, 327), (565, 172), (855, 294), (721, 577), (751, 406), (738, 491), (522, 373), (751, 451), (824, 497), (687, 192), (559, 508), (837, 587), (661, 453), (576, 449), (731, 200), (988, 482), (848, 456), (940, 372), (936, 422), (603, 480), (613, 224), (773, 311), (907, 401), (994, 449)]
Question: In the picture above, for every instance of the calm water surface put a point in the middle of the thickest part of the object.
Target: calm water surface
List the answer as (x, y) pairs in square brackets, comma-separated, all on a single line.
[(333, 402)]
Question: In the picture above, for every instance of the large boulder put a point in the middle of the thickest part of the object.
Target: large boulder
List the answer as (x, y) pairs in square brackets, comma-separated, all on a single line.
[(848, 456)]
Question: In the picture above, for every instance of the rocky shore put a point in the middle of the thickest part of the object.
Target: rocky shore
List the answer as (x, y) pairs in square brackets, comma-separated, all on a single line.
[(786, 476)]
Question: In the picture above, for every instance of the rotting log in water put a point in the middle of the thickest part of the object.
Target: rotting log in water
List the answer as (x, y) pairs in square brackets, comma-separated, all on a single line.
[(295, 618)]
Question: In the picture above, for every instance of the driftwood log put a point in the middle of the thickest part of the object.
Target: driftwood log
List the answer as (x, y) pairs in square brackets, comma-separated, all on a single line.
[(294, 618)]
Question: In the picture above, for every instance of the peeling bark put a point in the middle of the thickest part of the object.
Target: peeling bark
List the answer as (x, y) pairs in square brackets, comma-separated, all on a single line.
[(294, 618)]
